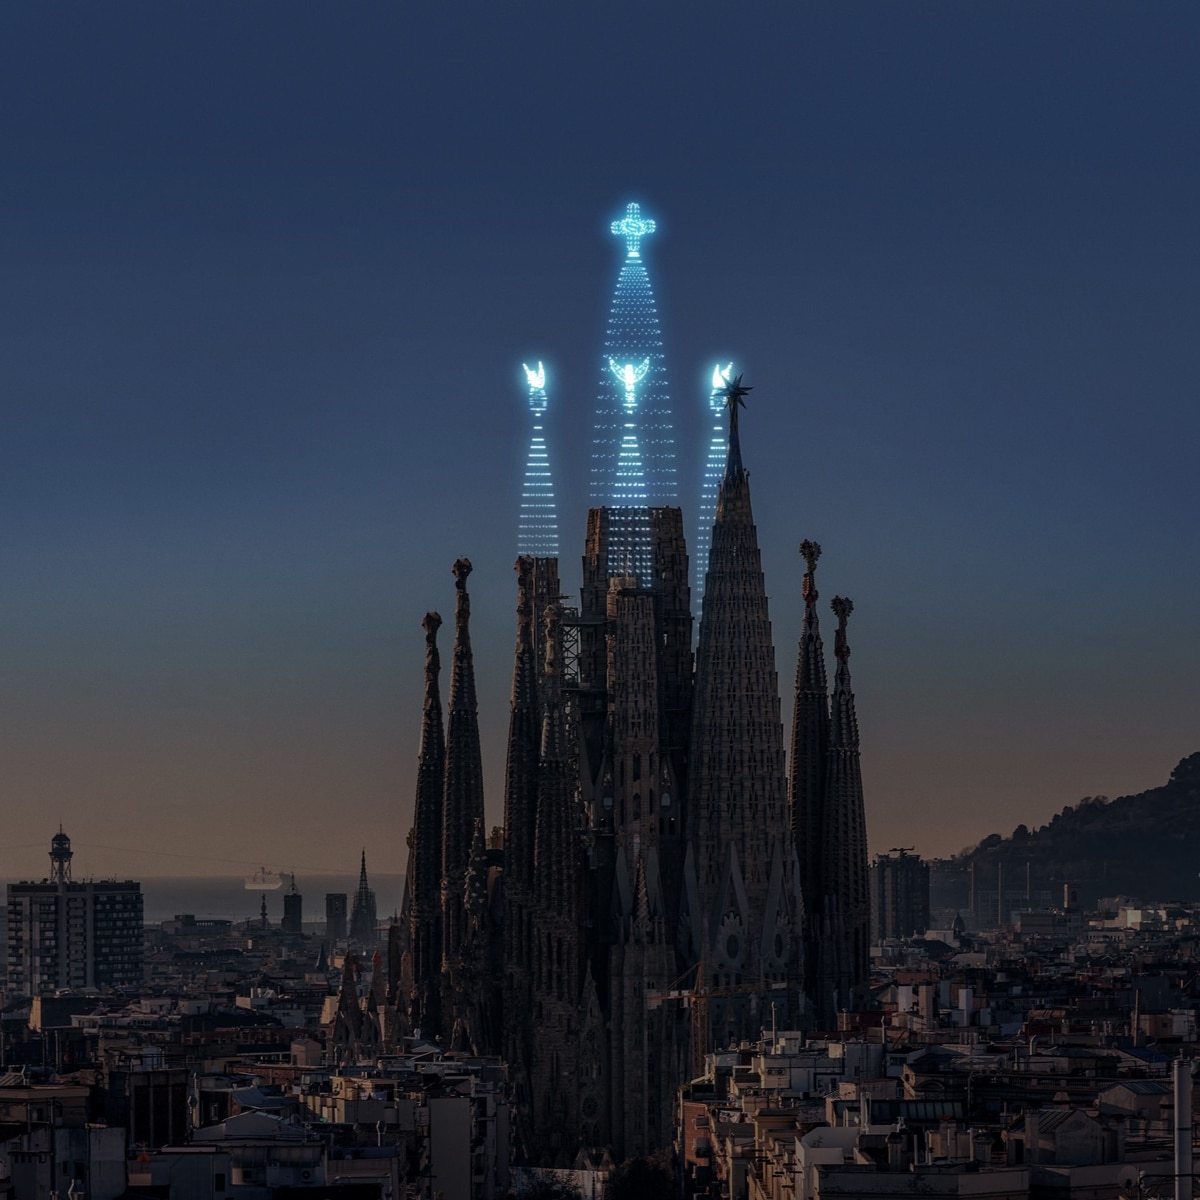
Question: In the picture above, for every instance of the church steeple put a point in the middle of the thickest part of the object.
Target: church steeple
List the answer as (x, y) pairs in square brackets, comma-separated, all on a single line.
[(524, 733), (424, 883), (462, 802), (810, 735), (843, 958), (745, 874), (363, 918)]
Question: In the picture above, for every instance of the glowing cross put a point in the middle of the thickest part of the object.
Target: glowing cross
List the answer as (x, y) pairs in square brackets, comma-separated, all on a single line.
[(632, 227), (537, 379), (630, 376)]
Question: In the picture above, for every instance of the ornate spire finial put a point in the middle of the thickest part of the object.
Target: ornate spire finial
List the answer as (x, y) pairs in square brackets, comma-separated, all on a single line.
[(842, 608), (462, 568), (735, 397), (633, 227), (431, 624), (810, 552)]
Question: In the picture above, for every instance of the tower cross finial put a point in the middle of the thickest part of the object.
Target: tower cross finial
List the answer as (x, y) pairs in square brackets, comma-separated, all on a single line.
[(735, 398), (633, 227)]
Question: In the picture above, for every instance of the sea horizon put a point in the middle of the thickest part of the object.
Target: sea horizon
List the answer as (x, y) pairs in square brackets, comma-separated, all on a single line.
[(227, 898)]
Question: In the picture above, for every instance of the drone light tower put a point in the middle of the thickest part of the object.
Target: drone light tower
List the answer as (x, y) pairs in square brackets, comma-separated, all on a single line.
[(714, 469), (537, 533)]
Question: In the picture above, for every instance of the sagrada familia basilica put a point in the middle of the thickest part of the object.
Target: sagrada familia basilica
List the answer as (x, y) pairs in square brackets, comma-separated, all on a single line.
[(666, 882)]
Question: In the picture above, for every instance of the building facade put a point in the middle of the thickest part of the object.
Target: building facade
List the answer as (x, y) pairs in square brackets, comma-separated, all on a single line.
[(68, 936), (899, 895)]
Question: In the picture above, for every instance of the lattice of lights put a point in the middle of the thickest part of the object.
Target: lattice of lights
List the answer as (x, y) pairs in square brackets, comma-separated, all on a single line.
[(537, 529), (714, 470), (633, 460)]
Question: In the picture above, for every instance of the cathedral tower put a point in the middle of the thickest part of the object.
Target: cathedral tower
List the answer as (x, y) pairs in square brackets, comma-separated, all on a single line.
[(810, 752), (844, 917), (462, 824), (425, 852), (742, 918)]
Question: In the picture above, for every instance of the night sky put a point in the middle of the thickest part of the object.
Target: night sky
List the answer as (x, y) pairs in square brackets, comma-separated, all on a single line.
[(269, 274)]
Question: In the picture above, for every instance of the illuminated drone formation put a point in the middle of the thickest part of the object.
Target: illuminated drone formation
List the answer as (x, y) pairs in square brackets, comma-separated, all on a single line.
[(714, 468), (538, 529), (633, 463)]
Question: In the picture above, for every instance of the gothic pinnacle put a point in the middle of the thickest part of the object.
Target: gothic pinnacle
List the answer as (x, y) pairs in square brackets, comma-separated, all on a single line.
[(842, 608), (735, 398), (810, 552), (463, 795)]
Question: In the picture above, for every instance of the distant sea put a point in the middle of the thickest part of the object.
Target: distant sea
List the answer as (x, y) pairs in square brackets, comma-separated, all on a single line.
[(226, 897)]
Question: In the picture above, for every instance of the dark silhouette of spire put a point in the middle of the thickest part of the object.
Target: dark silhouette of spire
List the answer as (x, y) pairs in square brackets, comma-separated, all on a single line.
[(520, 783), (462, 823), (747, 926), (364, 921), (810, 751), (424, 883), (735, 398), (845, 903), (463, 797)]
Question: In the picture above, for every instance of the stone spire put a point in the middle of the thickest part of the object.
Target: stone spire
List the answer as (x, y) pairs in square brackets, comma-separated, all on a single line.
[(537, 586), (524, 730), (741, 850), (363, 919), (462, 803), (810, 748), (843, 958), (424, 883)]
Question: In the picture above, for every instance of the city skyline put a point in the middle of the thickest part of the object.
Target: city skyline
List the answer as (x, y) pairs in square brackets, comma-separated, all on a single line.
[(267, 307)]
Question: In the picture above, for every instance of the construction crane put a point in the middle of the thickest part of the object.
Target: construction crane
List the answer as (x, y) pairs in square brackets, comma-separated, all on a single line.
[(697, 999)]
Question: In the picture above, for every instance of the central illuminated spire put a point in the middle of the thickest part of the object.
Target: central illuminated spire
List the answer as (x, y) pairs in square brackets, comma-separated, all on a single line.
[(633, 461)]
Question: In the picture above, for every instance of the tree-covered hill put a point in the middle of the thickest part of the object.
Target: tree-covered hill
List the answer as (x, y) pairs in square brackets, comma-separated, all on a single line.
[(1146, 846)]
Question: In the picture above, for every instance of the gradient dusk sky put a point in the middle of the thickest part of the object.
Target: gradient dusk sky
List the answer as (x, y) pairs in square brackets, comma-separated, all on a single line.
[(270, 271)]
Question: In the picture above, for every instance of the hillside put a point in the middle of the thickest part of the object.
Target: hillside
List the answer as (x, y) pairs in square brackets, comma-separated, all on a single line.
[(1147, 846)]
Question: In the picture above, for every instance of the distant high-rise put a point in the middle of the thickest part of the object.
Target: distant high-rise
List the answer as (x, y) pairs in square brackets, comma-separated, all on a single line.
[(64, 935), (899, 895), (538, 528), (336, 907), (293, 910)]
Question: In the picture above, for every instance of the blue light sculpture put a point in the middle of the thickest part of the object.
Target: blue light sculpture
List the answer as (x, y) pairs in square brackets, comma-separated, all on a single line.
[(714, 468), (537, 532), (633, 460)]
